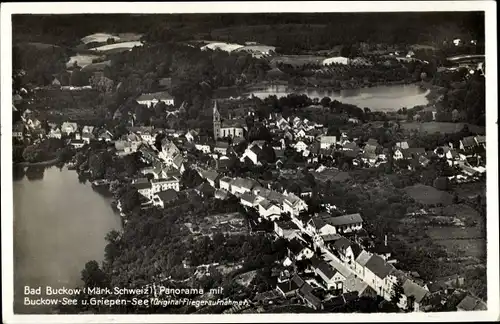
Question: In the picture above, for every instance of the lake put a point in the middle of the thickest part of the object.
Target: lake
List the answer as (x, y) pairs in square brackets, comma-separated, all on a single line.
[(59, 225), (379, 98)]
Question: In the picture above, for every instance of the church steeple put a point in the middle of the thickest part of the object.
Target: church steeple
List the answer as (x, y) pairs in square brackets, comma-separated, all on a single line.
[(216, 120)]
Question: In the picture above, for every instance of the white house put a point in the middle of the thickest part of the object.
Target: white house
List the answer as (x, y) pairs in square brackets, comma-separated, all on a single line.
[(300, 146), (248, 199), (68, 128), (241, 185), (163, 198), (327, 142), (151, 99), (158, 185), (168, 151), (285, 229), (252, 152), (225, 183), (268, 210), (293, 204), (145, 189), (204, 147), (324, 223), (332, 278), (55, 133)]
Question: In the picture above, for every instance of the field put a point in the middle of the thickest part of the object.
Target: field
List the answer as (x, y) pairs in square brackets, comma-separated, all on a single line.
[(470, 190), (230, 223), (298, 60), (440, 127), (81, 59), (332, 175), (113, 47), (429, 195), (38, 45), (96, 66), (227, 47), (60, 105), (98, 38)]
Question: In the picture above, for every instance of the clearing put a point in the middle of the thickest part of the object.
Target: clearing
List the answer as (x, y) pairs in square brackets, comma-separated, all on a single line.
[(298, 60), (229, 224), (429, 195), (125, 46), (81, 59), (441, 127)]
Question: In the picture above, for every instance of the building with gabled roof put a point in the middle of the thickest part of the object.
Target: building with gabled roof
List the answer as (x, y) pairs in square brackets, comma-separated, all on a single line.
[(151, 99)]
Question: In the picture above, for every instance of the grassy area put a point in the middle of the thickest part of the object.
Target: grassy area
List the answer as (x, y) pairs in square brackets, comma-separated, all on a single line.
[(298, 60), (81, 59), (470, 190), (113, 47), (429, 195), (440, 127)]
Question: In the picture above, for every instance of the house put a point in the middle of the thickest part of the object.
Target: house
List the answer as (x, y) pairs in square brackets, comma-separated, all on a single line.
[(398, 153), (205, 190), (18, 130), (327, 142), (212, 177), (104, 135), (221, 147), (252, 152), (347, 250), (191, 135), (353, 120), (221, 194), (144, 188), (55, 132), (163, 184), (293, 204), (403, 145), (307, 296), (164, 198), (168, 151), (77, 143), (151, 99), (412, 291), (269, 210), (453, 156), (248, 199), (468, 143), (332, 278), (202, 146), (285, 229), (470, 303), (124, 147), (300, 146), (375, 271), (225, 183), (241, 185), (354, 284), (290, 288), (297, 250), (481, 141), (68, 128), (324, 223), (178, 163)]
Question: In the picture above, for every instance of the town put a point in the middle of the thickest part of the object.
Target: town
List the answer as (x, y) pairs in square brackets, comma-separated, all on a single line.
[(317, 203)]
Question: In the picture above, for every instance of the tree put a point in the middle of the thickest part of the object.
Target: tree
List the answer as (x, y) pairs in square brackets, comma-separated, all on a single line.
[(325, 102), (410, 302), (397, 292), (93, 276)]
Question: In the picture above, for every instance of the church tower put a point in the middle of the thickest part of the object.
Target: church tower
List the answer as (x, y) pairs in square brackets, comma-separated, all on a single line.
[(217, 122)]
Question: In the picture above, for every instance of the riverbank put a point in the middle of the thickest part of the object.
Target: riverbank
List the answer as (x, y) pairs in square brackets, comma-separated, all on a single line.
[(42, 163)]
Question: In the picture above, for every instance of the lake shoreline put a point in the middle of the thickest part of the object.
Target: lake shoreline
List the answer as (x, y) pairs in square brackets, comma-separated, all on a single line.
[(42, 163)]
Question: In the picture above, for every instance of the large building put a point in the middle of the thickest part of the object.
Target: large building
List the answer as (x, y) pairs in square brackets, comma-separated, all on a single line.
[(227, 128)]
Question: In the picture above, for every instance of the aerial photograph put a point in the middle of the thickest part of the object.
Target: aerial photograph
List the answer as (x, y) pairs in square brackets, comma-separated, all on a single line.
[(244, 163)]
